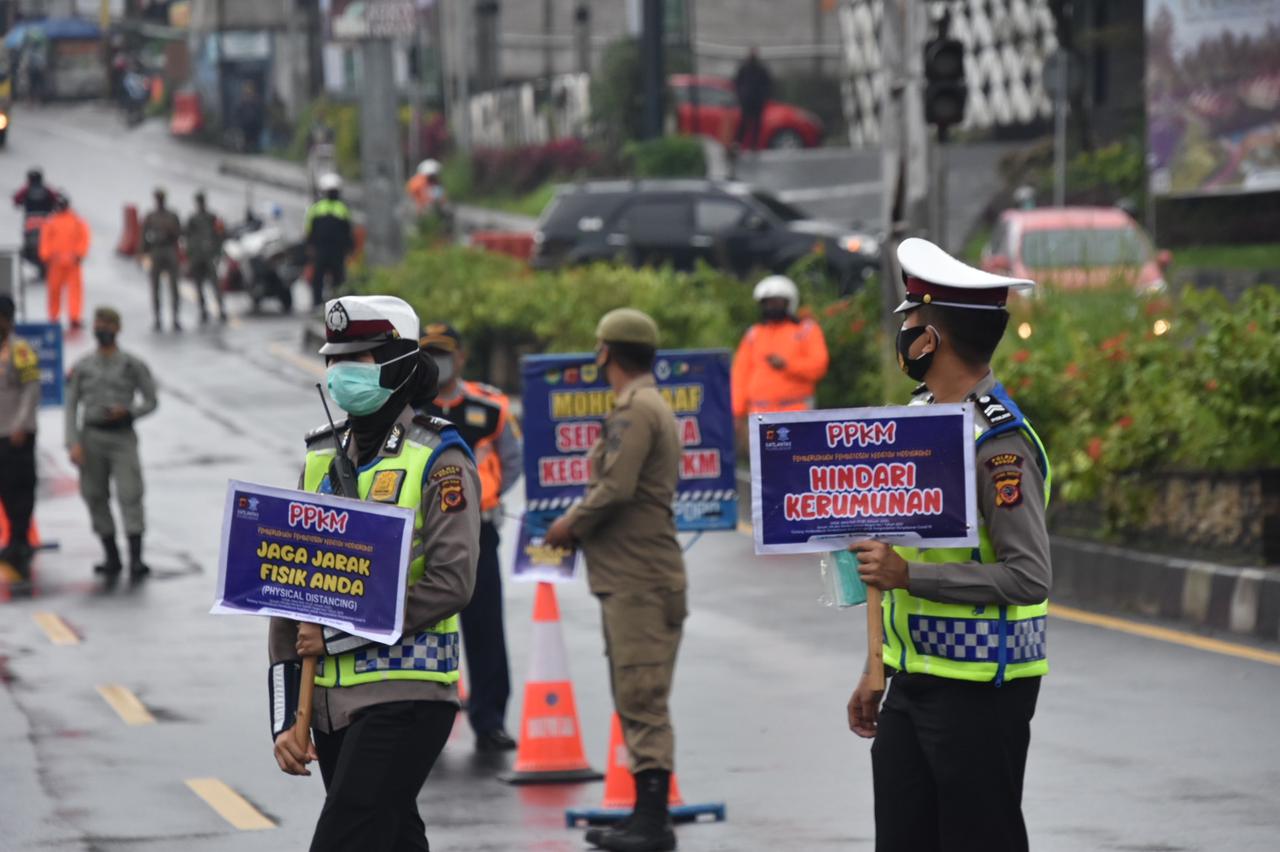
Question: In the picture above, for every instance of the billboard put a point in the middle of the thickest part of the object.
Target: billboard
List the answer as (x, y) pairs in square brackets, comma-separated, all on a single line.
[(1213, 96)]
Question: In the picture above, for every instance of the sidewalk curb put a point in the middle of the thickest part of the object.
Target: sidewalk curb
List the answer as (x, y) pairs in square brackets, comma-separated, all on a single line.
[(1240, 600)]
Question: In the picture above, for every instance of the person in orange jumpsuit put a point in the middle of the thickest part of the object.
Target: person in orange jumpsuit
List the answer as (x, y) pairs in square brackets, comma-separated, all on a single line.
[(781, 359), (425, 189), (64, 242)]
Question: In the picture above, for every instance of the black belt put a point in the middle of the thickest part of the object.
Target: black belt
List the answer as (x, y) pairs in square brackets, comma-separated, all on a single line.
[(112, 425)]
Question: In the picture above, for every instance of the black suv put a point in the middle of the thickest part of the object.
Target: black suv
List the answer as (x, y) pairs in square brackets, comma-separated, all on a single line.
[(731, 226)]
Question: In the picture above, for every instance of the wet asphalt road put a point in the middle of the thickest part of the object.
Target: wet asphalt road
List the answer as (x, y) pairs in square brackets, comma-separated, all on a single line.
[(1137, 744)]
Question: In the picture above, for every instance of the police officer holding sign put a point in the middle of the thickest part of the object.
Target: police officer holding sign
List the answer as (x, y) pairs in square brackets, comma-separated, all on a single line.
[(482, 415), (964, 630), (627, 531), (382, 714)]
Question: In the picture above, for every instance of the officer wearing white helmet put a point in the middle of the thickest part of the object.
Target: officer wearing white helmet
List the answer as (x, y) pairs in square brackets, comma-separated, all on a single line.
[(424, 188), (965, 642), (382, 715), (782, 358), (330, 238)]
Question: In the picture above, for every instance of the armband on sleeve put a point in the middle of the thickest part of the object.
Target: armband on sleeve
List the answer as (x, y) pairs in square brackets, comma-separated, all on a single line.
[(282, 685)]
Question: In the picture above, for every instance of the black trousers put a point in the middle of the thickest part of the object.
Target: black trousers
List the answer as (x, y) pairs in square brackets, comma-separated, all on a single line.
[(948, 763), (373, 770), (328, 274), (485, 640), (749, 126), (18, 485)]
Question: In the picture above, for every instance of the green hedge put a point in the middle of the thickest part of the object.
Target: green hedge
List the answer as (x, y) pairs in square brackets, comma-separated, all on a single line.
[(1116, 384)]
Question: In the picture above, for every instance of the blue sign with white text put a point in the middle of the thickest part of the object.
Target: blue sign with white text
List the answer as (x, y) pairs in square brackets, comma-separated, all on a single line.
[(823, 479), (566, 399), (314, 557), (46, 339)]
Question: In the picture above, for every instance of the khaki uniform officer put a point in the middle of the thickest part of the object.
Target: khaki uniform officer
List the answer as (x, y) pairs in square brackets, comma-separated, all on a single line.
[(107, 391), (627, 531), (382, 713), (965, 637)]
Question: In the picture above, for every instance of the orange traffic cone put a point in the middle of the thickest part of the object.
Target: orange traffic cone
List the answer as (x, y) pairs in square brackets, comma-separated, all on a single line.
[(620, 792), (131, 236), (33, 534), (550, 736)]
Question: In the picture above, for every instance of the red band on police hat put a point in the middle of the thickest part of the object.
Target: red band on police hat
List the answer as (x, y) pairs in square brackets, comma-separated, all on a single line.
[(360, 330), (925, 292)]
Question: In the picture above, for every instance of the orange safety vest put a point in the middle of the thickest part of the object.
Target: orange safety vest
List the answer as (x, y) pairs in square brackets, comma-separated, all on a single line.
[(64, 239), (481, 412), (759, 387)]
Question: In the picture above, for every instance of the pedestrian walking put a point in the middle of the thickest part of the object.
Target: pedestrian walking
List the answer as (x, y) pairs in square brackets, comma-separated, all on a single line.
[(780, 359), (330, 239), (482, 415), (754, 86), (203, 237), (64, 244), (965, 643), (381, 719), (635, 567), (161, 234), (19, 399), (108, 390)]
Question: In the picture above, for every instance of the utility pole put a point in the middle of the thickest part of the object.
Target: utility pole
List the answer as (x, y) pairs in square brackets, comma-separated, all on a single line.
[(582, 37), (380, 152), (548, 50), (651, 71)]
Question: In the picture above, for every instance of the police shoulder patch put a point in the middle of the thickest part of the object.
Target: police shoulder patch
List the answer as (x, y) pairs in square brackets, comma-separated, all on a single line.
[(386, 486), (24, 356), (1004, 460), (435, 424), (1008, 488), (994, 411), (448, 471), (452, 496)]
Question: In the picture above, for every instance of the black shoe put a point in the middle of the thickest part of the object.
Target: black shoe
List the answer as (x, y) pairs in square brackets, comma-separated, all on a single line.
[(111, 566), (650, 828), (108, 568), (177, 326), (19, 556), (137, 568), (497, 740), (595, 835)]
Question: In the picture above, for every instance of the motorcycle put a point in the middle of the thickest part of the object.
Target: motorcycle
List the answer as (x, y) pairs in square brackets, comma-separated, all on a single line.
[(137, 93), (32, 225), (258, 258)]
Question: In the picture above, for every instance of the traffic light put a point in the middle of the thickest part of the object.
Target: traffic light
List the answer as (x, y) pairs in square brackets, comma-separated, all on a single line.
[(945, 90)]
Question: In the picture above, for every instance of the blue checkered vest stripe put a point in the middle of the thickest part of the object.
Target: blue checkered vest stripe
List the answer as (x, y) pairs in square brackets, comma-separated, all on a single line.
[(977, 640), (424, 652)]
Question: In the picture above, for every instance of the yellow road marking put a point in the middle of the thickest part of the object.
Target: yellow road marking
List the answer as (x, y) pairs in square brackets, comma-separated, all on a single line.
[(126, 704), (229, 804), (310, 365), (58, 631), (1164, 634)]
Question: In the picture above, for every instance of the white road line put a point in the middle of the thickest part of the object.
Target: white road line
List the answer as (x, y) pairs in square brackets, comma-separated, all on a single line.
[(821, 193)]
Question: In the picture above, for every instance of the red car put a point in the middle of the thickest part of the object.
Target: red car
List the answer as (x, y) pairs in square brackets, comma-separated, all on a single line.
[(707, 106), (1075, 247)]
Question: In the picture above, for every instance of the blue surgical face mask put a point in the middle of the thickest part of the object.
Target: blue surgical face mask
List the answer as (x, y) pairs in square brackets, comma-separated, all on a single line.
[(356, 386)]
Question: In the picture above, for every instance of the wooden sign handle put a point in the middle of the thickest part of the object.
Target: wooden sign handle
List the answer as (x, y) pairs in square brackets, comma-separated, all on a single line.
[(302, 721), (875, 640)]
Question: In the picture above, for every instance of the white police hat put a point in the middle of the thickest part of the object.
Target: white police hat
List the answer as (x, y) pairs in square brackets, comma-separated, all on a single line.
[(361, 323), (933, 277)]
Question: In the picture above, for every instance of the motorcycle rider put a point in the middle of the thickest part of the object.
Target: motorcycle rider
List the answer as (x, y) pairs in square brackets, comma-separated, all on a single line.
[(35, 197)]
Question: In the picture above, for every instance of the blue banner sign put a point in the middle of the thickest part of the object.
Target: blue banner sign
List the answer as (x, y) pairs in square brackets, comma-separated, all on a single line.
[(314, 557), (565, 402), (821, 480), (46, 339)]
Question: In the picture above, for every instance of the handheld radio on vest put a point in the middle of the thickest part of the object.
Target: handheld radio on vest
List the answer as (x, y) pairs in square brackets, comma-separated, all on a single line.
[(342, 473)]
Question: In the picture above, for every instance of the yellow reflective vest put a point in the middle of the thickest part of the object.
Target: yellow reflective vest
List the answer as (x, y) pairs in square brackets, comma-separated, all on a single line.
[(983, 644), (431, 654)]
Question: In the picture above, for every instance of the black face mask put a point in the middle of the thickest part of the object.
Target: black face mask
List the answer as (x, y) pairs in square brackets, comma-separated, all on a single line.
[(773, 314), (105, 338), (916, 368)]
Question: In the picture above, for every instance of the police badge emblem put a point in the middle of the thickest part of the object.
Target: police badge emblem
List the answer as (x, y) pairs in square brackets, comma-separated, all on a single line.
[(337, 319)]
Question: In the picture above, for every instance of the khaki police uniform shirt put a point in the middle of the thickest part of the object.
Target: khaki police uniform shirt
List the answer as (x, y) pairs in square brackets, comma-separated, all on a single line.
[(19, 386), (1011, 504), (98, 382), (451, 538), (625, 523)]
